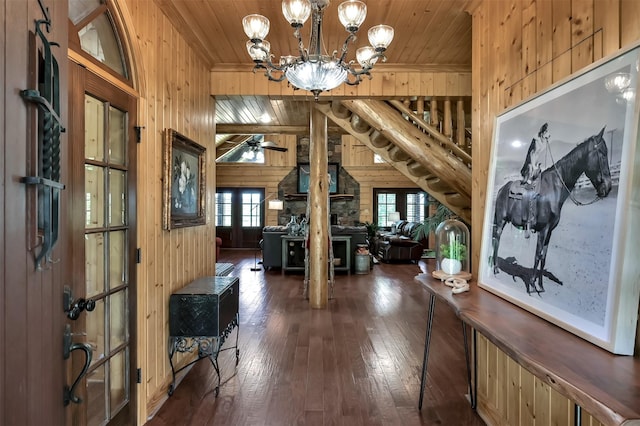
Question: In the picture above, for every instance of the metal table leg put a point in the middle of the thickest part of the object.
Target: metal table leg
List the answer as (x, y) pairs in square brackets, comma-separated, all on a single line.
[(427, 341), (472, 391), (577, 415)]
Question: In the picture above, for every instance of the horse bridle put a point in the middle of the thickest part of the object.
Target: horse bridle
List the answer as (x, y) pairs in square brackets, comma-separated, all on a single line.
[(600, 160)]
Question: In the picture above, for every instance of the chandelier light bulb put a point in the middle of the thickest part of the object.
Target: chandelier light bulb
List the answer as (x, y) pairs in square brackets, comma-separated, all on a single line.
[(352, 14), (256, 53), (380, 37), (364, 56), (256, 27), (296, 12)]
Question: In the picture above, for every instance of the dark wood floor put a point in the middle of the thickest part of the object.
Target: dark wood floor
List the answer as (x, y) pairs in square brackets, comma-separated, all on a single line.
[(356, 363)]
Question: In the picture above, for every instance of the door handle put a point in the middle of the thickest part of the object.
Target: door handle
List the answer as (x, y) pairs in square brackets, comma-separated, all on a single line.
[(73, 308), (68, 347)]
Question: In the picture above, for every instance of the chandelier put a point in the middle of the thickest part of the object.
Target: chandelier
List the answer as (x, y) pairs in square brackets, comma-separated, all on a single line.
[(312, 69)]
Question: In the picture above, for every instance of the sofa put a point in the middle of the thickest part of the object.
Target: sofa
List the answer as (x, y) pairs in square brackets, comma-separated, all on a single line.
[(398, 244), (271, 243)]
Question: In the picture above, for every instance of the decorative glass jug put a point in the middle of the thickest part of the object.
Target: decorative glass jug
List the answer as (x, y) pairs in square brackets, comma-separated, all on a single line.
[(292, 227)]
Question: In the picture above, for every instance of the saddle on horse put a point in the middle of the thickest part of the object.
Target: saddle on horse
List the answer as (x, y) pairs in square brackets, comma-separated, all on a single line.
[(526, 193)]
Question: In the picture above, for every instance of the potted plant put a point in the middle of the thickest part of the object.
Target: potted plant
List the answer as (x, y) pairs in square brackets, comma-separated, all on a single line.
[(452, 255), (427, 227)]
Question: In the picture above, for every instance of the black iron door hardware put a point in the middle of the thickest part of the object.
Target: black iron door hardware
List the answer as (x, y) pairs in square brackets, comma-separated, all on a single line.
[(47, 181), (73, 308), (68, 347)]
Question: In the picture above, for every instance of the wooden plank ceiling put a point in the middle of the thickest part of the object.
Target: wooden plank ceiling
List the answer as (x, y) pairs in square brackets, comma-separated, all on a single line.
[(429, 34)]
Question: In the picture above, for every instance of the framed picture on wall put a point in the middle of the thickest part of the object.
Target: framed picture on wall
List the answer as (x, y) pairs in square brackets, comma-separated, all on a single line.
[(184, 184), (303, 177), (563, 205)]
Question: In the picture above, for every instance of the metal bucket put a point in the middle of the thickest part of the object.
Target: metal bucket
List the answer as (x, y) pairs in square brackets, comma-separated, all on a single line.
[(362, 263)]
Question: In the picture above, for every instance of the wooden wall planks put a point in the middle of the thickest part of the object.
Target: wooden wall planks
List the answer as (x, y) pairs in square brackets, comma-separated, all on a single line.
[(569, 35), (387, 84), (176, 95)]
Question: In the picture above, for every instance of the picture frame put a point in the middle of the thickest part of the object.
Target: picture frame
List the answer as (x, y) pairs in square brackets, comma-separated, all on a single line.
[(303, 177), (587, 279), (184, 182)]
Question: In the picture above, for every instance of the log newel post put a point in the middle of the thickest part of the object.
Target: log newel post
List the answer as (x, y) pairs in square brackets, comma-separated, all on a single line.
[(318, 211)]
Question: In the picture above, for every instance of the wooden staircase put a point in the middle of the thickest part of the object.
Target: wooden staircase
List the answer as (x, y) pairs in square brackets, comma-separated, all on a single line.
[(414, 147)]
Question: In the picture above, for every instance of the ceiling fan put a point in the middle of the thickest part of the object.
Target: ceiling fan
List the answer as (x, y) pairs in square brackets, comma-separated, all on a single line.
[(255, 144)]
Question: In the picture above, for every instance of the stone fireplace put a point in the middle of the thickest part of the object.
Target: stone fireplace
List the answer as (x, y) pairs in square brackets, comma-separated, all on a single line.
[(344, 206)]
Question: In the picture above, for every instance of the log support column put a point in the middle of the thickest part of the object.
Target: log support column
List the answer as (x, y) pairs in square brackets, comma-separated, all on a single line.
[(318, 214)]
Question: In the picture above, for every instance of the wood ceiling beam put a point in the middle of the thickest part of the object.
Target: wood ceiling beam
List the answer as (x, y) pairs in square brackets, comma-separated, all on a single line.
[(265, 129)]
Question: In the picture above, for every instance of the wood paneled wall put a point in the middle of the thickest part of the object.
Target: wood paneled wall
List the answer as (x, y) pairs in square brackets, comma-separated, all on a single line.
[(357, 160), (174, 87), (385, 83), (521, 47)]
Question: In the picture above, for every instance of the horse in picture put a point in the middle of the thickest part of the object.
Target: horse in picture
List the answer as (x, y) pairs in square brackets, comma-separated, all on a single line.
[(553, 188)]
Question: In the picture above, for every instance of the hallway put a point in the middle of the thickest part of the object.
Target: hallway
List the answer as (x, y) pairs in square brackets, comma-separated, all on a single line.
[(356, 363)]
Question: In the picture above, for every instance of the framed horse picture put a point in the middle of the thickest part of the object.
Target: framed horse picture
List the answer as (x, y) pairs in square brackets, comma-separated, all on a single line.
[(562, 218)]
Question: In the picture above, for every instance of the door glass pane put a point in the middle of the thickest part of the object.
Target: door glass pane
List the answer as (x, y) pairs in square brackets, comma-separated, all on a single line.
[(94, 264), (117, 191), (97, 406), (94, 196), (80, 9), (117, 259), (223, 208), (118, 383), (96, 331), (93, 129), (251, 209), (99, 40), (118, 319), (117, 133)]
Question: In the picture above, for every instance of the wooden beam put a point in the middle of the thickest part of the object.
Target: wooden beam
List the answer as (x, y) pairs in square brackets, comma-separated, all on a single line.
[(318, 212), (265, 129)]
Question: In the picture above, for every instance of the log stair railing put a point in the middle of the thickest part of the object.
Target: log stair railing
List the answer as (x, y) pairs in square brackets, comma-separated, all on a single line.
[(414, 147)]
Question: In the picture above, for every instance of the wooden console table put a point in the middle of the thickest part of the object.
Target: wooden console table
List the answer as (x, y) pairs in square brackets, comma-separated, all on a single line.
[(604, 384)]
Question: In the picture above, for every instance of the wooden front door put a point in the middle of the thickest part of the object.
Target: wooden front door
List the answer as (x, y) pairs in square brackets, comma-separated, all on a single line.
[(240, 216), (31, 316), (103, 216)]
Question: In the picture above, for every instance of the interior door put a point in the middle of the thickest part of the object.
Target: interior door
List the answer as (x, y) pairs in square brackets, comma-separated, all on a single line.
[(240, 216), (104, 158)]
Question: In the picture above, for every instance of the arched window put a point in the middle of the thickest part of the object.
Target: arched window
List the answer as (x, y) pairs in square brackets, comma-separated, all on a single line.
[(96, 35)]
